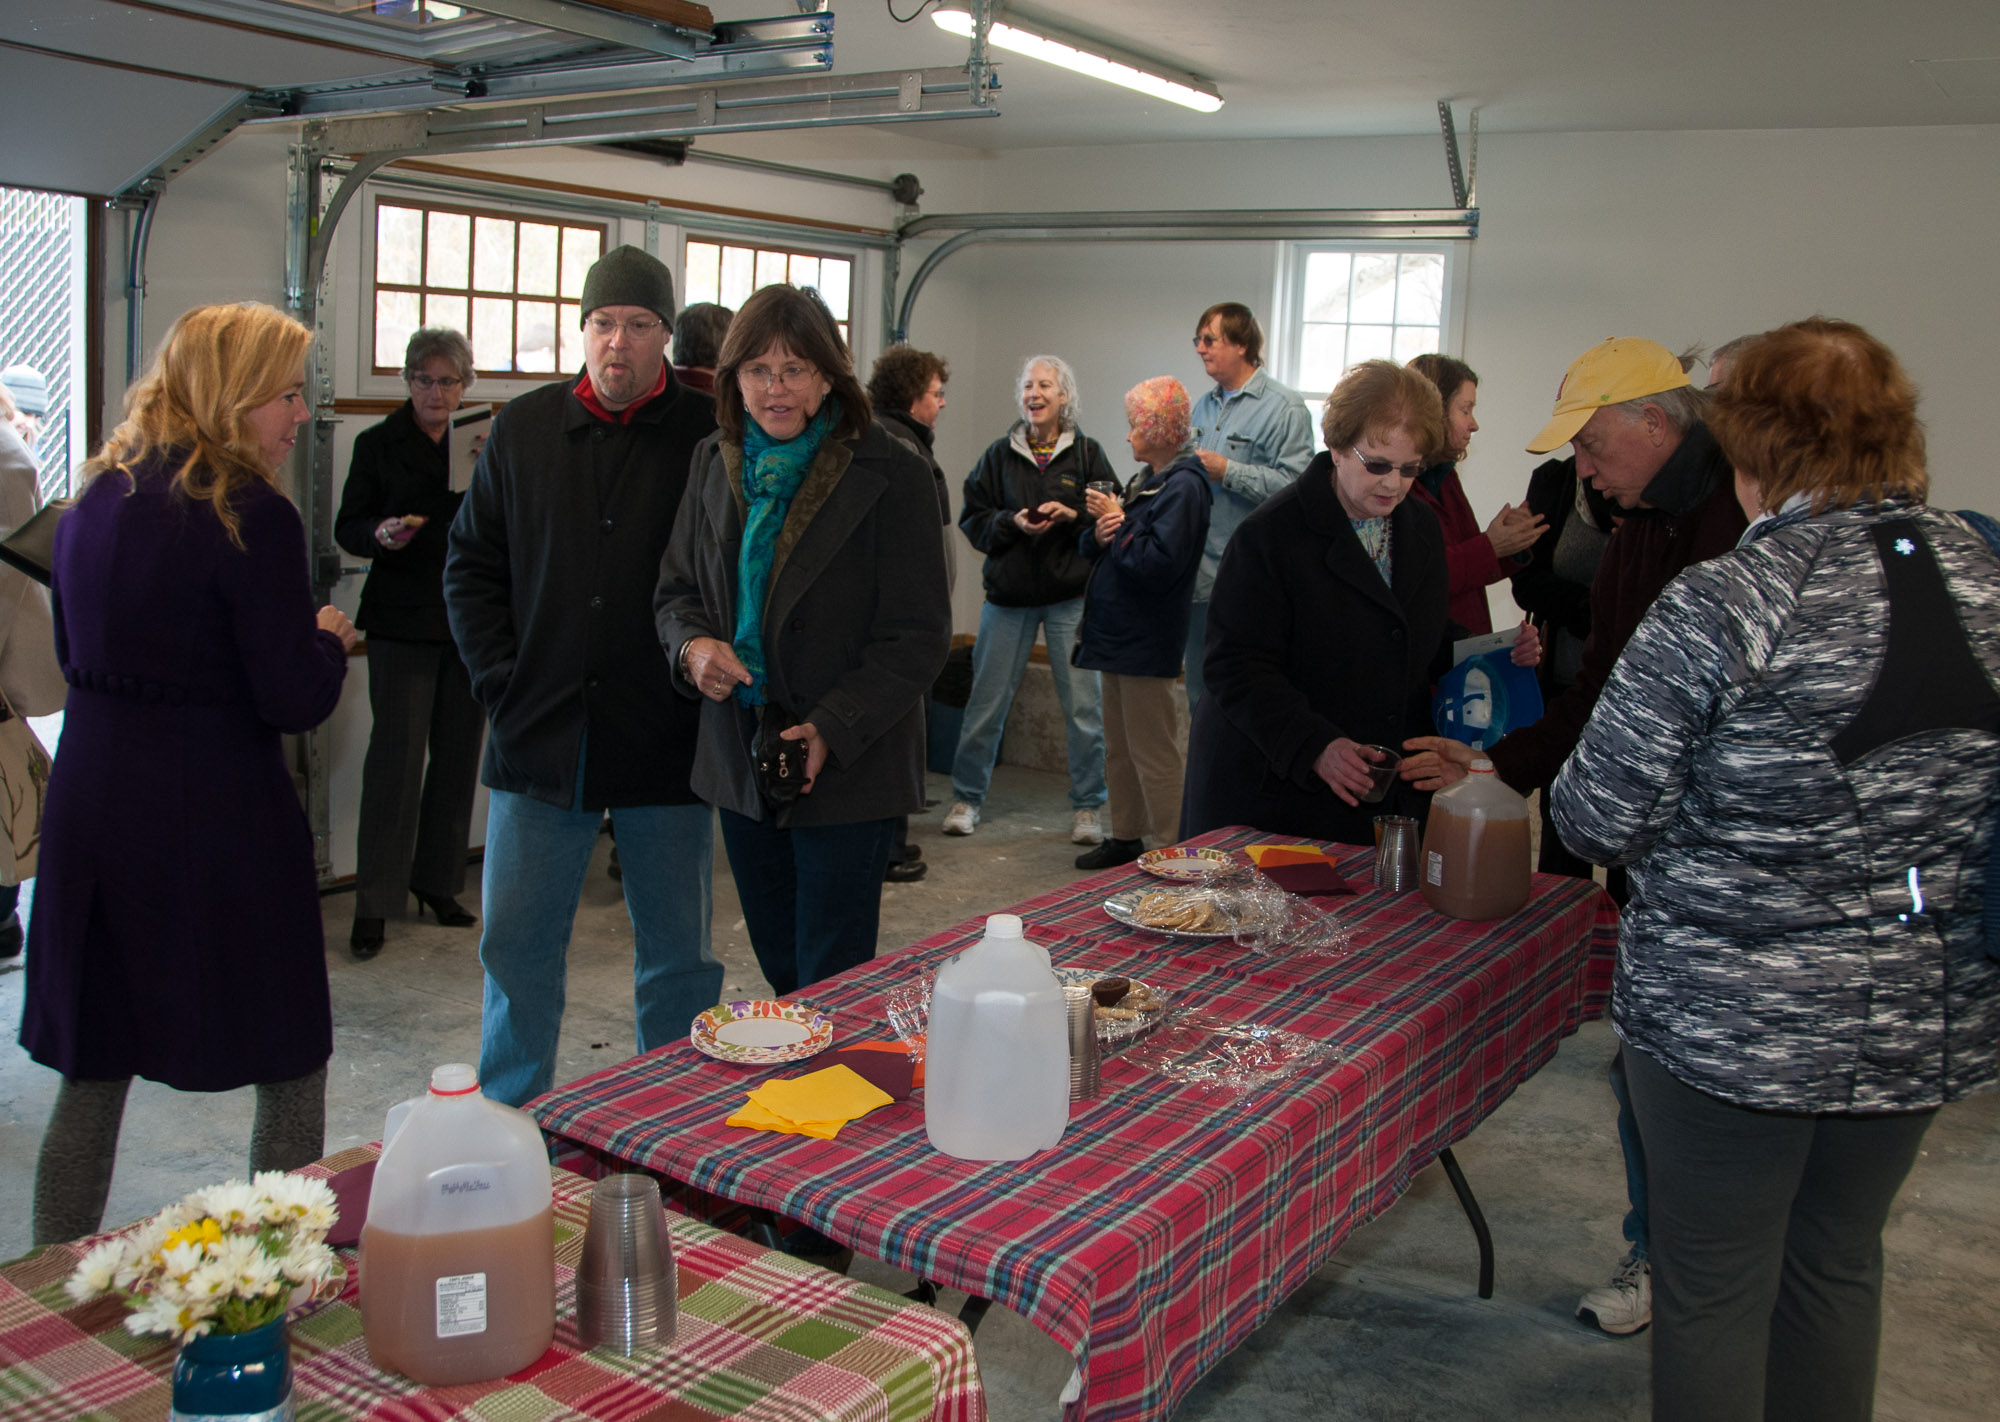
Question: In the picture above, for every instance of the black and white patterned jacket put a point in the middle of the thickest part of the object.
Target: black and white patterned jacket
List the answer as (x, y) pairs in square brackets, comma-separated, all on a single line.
[(1797, 756)]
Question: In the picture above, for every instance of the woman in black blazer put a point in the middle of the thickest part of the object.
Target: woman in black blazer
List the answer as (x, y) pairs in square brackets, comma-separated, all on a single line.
[(1327, 627), (397, 509)]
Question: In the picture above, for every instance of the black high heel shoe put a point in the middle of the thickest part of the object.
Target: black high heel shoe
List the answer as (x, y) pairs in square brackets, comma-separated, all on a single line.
[(367, 937), (448, 911)]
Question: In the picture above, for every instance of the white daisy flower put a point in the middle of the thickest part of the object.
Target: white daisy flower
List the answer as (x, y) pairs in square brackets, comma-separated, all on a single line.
[(97, 1271)]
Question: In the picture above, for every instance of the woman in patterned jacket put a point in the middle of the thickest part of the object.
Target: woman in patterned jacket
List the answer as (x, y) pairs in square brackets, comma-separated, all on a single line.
[(1799, 758)]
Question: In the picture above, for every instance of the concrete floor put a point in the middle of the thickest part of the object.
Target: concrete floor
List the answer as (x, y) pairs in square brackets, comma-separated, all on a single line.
[(1391, 1329)]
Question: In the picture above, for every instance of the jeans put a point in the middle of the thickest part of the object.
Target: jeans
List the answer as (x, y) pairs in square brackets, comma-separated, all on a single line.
[(1191, 667), (1634, 1152), (999, 657), (811, 894), (536, 859), (1767, 1264)]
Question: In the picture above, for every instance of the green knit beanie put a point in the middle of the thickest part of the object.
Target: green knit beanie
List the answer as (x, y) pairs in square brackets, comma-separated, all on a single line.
[(628, 276)]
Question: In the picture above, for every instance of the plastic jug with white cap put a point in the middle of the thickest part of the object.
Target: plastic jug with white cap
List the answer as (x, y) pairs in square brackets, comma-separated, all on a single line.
[(996, 1058), (458, 1270)]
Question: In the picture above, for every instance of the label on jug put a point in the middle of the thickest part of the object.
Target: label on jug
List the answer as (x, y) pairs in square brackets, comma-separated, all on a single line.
[(1434, 867), (461, 1305)]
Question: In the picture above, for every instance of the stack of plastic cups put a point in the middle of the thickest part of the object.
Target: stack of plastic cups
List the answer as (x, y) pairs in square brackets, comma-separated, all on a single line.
[(1083, 1059), (625, 1289)]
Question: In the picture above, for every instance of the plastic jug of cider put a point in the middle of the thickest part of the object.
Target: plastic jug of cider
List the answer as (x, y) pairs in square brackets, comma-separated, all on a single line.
[(1476, 863), (996, 1060), (458, 1264)]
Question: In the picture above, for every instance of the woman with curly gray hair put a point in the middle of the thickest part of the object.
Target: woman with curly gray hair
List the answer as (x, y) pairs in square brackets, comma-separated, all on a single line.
[(1021, 508), (396, 510)]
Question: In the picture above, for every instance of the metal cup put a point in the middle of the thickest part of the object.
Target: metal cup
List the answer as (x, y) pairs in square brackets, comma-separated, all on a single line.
[(1395, 853), (626, 1296)]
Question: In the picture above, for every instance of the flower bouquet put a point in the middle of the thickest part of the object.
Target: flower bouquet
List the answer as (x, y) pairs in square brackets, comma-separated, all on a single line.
[(225, 1260)]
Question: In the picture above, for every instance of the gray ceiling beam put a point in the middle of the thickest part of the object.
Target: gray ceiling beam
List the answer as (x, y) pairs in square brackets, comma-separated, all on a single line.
[(655, 37), (820, 101)]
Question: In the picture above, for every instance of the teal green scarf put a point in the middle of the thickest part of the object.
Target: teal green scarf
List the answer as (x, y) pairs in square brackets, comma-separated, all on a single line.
[(773, 470)]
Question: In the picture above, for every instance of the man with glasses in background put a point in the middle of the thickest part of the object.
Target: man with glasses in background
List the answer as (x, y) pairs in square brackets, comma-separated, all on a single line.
[(554, 557), (1254, 436)]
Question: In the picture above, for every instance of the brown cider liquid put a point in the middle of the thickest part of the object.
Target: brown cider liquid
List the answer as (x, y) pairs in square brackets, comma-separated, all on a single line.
[(1474, 868), (399, 1306)]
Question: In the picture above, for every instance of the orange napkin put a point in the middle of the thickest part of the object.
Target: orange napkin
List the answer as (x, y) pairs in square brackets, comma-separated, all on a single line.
[(1277, 856), (817, 1104)]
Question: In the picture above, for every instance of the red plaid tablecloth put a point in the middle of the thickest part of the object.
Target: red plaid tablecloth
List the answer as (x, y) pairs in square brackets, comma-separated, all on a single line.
[(761, 1335), (1168, 1223)]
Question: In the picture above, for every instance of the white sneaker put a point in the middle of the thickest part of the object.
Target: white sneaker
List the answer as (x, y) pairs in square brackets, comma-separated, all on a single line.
[(1625, 1305), (961, 818), (1086, 828)]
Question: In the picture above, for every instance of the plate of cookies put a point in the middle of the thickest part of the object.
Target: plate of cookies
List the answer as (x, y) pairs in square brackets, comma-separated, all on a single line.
[(1124, 1007), (1185, 913)]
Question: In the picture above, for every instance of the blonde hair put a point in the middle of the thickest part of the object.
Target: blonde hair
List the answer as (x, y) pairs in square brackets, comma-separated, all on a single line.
[(216, 365)]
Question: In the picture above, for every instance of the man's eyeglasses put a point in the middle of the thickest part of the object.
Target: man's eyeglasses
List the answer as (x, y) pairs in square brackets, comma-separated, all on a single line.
[(1205, 340), (446, 383), (1382, 468), (638, 329), (791, 377)]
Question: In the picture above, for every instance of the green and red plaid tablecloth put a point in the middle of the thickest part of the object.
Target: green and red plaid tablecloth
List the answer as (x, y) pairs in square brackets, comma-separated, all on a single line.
[(761, 1335), (1168, 1223)]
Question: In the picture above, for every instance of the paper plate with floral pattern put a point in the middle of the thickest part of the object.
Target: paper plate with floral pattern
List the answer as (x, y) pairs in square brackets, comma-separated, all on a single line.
[(760, 1032), (1185, 866)]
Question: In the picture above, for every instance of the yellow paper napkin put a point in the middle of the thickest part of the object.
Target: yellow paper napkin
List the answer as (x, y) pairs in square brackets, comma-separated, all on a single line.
[(1272, 856), (816, 1104)]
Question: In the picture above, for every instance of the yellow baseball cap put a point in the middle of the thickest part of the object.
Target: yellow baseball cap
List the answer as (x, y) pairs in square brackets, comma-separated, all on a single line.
[(1609, 373)]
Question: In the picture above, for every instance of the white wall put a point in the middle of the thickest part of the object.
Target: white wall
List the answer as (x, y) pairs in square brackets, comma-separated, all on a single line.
[(1676, 236)]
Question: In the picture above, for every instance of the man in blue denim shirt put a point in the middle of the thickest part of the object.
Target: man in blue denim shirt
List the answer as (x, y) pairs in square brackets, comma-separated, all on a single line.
[(1254, 436)]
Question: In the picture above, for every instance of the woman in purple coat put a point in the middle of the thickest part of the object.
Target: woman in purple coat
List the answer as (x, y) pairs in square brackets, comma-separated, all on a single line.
[(176, 929)]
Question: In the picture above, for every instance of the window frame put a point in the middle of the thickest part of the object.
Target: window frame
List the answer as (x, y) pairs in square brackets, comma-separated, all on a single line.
[(853, 258), (1288, 334), (607, 227)]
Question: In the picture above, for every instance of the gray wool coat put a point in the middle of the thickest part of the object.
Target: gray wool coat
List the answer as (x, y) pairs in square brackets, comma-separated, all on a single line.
[(857, 623), (1780, 777)]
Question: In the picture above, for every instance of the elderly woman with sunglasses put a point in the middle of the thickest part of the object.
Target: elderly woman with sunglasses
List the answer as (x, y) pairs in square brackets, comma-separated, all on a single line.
[(396, 511), (1328, 626), (803, 596)]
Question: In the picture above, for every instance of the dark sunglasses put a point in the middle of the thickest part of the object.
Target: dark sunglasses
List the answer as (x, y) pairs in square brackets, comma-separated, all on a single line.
[(1382, 468)]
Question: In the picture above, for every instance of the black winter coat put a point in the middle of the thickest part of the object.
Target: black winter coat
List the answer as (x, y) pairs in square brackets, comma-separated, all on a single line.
[(1307, 644), (554, 558), (398, 469), (1030, 569)]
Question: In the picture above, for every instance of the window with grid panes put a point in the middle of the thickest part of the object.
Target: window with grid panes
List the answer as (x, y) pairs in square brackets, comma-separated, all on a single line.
[(510, 284), (1350, 304), (727, 273)]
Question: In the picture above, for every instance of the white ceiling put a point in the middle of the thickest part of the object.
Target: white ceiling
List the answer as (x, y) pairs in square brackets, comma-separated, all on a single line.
[(1313, 68), (1286, 69)]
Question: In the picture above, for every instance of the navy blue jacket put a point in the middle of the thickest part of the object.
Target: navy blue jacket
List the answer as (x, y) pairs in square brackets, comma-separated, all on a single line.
[(1135, 608)]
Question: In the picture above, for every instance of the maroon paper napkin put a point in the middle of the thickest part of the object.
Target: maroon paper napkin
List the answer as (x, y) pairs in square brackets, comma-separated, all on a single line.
[(1309, 880), (890, 1072), (350, 1197)]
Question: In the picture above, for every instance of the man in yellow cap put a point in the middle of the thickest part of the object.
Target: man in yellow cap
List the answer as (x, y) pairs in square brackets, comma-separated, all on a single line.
[(1634, 419)]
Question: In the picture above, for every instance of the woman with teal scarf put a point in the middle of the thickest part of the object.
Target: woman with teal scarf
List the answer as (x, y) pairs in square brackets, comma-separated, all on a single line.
[(804, 592)]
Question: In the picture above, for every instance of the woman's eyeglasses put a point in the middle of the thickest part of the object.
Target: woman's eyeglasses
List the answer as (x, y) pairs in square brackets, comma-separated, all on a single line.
[(446, 383), (790, 377), (1382, 468)]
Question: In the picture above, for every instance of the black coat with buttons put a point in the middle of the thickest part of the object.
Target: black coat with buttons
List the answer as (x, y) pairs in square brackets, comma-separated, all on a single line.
[(1307, 644), (549, 586), (398, 469)]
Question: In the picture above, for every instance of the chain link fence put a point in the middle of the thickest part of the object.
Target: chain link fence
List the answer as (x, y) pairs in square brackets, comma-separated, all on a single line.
[(35, 306)]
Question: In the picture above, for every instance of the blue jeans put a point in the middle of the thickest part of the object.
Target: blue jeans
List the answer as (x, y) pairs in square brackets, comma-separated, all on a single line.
[(1191, 666), (1635, 1158), (811, 894), (536, 859), (1006, 636)]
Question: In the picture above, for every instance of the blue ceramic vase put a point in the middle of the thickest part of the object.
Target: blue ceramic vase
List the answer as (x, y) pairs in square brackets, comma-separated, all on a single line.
[(244, 1377)]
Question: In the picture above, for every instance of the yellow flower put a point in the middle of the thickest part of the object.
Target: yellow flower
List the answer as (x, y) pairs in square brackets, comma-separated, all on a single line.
[(203, 1232)]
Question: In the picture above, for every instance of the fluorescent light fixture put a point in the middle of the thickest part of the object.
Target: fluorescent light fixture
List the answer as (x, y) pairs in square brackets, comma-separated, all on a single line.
[(1042, 41)]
